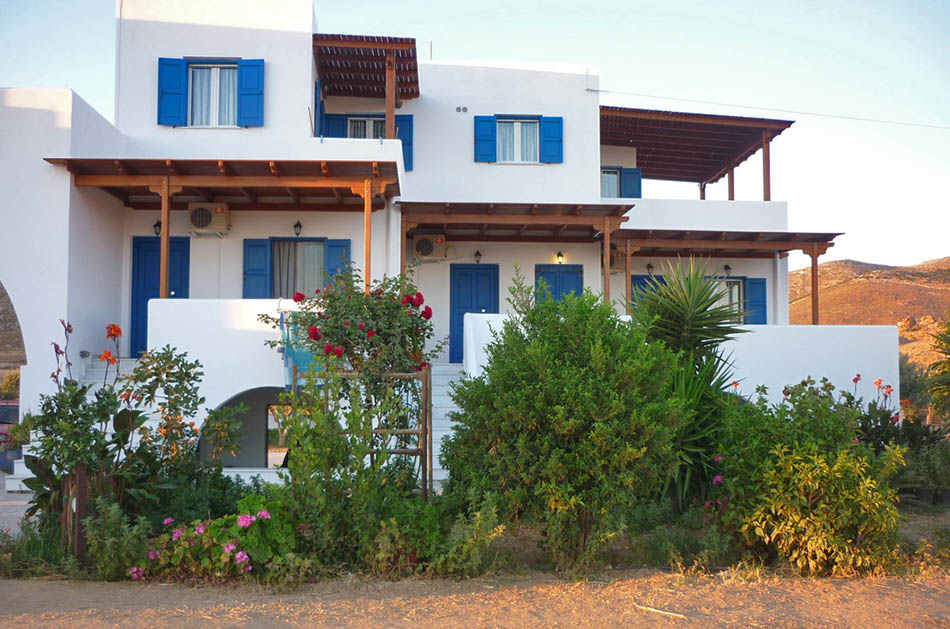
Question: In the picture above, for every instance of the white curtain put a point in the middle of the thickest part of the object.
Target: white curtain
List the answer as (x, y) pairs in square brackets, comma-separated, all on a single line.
[(529, 141), (284, 260), (227, 96), (357, 128), (309, 267), (506, 141), (609, 184), (379, 129), (200, 96)]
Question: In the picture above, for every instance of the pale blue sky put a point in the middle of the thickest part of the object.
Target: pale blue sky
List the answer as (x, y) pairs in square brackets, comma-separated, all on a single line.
[(885, 186)]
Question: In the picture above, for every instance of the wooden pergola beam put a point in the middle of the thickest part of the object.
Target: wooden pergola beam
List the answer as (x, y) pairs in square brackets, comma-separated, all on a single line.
[(706, 119), (606, 254), (229, 181), (390, 95), (367, 231), (740, 245), (378, 204), (516, 219), (335, 43), (766, 168)]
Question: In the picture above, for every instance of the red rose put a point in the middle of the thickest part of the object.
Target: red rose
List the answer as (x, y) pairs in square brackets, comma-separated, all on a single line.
[(338, 352), (409, 311), (327, 349), (299, 297), (427, 313), (315, 333), (361, 325), (346, 323), (406, 299), (316, 292), (370, 334), (418, 300)]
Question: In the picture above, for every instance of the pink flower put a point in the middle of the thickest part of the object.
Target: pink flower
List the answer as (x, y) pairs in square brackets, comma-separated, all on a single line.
[(241, 557), (153, 555), (263, 514), (717, 479), (718, 458), (245, 520), (229, 547), (707, 504), (427, 313), (176, 535), (247, 568), (168, 521), (136, 573), (299, 297), (370, 334), (199, 529)]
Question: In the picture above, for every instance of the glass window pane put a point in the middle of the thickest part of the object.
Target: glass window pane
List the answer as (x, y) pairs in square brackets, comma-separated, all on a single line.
[(379, 129), (200, 97), (506, 141), (227, 96), (357, 128), (610, 184), (309, 267), (529, 141)]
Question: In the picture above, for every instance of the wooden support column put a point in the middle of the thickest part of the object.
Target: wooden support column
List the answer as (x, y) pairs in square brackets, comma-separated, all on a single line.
[(627, 272), (702, 192), (732, 184), (390, 94), (367, 231), (814, 284), (607, 228), (766, 169), (165, 190)]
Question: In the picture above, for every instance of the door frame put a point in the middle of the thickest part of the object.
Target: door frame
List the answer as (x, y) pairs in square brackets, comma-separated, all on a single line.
[(456, 340), (133, 289)]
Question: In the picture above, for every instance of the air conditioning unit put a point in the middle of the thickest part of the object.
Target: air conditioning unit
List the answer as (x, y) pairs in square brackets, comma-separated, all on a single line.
[(208, 218), (429, 246)]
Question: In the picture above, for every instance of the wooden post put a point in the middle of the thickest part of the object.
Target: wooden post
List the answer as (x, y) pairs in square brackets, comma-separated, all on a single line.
[(165, 242), (607, 260), (390, 95), (367, 231), (627, 271), (81, 495), (814, 284), (732, 184), (702, 192), (766, 174)]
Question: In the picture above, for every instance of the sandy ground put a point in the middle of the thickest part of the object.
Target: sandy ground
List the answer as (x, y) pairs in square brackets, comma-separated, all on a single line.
[(639, 598)]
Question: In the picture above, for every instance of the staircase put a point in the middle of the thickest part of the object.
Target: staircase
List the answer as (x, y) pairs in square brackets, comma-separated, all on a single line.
[(443, 375)]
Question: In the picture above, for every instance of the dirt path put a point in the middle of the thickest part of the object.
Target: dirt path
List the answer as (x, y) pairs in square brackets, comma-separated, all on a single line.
[(536, 600)]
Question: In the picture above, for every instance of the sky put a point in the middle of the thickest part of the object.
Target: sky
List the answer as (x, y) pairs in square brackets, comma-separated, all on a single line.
[(885, 185)]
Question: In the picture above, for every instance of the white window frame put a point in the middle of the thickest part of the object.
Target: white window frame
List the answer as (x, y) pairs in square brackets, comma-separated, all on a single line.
[(215, 94), (616, 171), (727, 300), (517, 137), (370, 124)]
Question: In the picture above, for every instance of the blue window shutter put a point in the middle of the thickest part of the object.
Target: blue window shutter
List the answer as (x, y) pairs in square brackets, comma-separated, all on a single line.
[(334, 125), (630, 183), (571, 280), (318, 123), (756, 298), (404, 133), (172, 92), (486, 131), (552, 139), (256, 268), (549, 274), (250, 105), (336, 257)]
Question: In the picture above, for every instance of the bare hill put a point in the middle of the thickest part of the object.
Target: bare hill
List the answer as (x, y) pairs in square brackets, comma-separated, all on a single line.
[(915, 298)]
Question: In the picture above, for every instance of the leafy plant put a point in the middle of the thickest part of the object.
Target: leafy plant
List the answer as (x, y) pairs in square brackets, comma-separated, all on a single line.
[(114, 543), (570, 422), (464, 552), (930, 467), (10, 384), (938, 383)]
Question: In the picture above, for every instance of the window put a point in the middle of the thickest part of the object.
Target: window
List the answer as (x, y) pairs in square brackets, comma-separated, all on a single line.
[(610, 183), (518, 141), (734, 297), (297, 267), (358, 128), (212, 95)]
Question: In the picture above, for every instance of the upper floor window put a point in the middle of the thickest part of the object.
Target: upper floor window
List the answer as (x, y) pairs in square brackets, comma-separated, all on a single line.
[(619, 182), (373, 128), (212, 95), (518, 141), (610, 183), (733, 296)]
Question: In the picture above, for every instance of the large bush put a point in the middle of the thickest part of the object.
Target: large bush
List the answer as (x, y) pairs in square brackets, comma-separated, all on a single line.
[(570, 423)]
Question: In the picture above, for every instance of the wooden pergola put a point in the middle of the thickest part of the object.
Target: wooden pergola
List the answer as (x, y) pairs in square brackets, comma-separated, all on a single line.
[(516, 222), (366, 66), (269, 185), (723, 244), (696, 148)]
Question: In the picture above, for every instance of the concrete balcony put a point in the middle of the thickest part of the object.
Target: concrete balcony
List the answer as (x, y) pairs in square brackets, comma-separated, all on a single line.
[(698, 215)]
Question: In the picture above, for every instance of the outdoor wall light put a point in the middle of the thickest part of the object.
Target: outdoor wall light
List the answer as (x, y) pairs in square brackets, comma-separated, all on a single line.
[(560, 258), (727, 269), (649, 268), (297, 228), (478, 256), (157, 228)]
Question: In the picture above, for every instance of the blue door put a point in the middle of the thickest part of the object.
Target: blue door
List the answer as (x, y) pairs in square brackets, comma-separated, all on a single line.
[(146, 257), (472, 288), (562, 279), (644, 282)]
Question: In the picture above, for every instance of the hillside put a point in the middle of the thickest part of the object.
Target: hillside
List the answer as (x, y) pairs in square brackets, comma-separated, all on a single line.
[(852, 293)]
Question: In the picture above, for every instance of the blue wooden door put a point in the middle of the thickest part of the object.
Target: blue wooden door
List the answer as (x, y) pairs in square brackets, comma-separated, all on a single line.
[(146, 257), (562, 279), (472, 288)]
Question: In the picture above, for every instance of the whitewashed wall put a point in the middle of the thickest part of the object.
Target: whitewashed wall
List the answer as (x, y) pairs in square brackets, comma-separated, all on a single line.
[(618, 156), (751, 216)]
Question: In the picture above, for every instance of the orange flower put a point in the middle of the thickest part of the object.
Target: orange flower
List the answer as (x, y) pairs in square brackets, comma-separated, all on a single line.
[(107, 357), (735, 384), (113, 331), (888, 390), (878, 383)]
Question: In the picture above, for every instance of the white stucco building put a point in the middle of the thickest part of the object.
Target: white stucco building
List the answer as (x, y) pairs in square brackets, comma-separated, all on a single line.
[(252, 119)]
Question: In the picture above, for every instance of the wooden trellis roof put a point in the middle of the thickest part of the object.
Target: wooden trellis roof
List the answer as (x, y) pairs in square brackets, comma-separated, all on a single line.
[(662, 243), (355, 65)]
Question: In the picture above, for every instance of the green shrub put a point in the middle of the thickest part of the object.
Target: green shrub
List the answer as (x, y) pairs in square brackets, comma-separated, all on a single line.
[(930, 467), (114, 543), (34, 551), (828, 513), (570, 422), (465, 550), (10, 384)]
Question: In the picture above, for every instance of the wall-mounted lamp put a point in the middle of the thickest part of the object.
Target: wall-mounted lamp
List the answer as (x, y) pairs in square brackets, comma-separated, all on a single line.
[(560, 258), (478, 256), (649, 268), (297, 228), (727, 269), (157, 228)]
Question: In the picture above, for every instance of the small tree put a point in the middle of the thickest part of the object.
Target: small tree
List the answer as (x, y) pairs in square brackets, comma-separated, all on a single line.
[(570, 423)]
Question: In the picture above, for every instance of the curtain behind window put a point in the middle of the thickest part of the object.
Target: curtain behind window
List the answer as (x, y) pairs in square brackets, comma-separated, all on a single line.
[(506, 141), (379, 129), (357, 128), (529, 141), (609, 184), (227, 96), (284, 260), (309, 267), (200, 96)]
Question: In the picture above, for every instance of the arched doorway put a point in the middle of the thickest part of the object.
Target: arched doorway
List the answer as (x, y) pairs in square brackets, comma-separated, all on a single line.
[(254, 441), (12, 352)]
